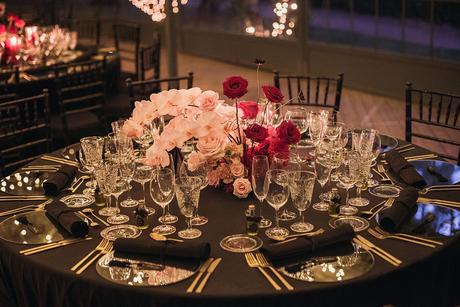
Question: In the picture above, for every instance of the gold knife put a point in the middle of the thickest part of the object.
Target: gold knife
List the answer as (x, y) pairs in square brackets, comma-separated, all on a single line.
[(203, 269), (211, 269)]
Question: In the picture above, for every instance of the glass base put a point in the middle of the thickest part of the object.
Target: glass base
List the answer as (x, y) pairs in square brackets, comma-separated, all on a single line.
[(89, 192), (358, 201), (129, 203), (108, 211), (199, 220), (164, 230), (372, 183), (301, 227), (265, 223), (287, 215), (118, 219), (168, 219), (190, 233), (150, 210), (326, 196), (277, 232), (348, 210), (91, 184), (321, 206)]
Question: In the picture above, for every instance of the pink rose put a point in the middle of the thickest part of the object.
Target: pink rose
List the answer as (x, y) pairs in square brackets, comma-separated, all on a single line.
[(194, 160), (249, 108), (213, 177), (225, 173), (208, 101), (156, 156), (132, 129), (237, 169), (211, 146), (241, 187), (273, 94), (235, 87)]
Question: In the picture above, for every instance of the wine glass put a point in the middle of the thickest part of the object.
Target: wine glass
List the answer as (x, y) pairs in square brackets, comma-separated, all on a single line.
[(347, 176), (162, 193), (105, 176), (363, 167), (169, 218), (322, 172), (92, 147), (317, 120), (301, 184), (199, 172), (143, 174), (331, 155), (333, 130), (188, 195), (298, 116), (120, 186), (375, 152), (128, 166), (277, 196), (259, 180), (289, 163)]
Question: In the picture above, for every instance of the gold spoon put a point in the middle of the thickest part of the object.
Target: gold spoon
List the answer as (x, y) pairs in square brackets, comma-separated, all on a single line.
[(91, 211), (307, 234), (160, 237)]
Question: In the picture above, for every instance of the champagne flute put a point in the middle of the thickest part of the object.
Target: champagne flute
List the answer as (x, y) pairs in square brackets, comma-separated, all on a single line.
[(143, 174), (348, 175), (188, 195), (200, 172), (169, 218), (128, 167), (259, 180), (301, 184), (277, 197), (119, 187), (322, 175), (162, 193), (289, 163)]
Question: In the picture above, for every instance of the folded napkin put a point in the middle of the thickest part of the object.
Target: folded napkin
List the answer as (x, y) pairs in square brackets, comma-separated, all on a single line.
[(404, 207), (186, 250), (67, 218), (304, 246), (404, 169), (59, 180)]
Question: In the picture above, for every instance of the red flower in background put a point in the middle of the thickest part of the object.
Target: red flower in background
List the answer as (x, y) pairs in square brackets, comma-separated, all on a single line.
[(235, 87), (249, 108), (256, 133), (278, 146), (288, 132), (272, 93)]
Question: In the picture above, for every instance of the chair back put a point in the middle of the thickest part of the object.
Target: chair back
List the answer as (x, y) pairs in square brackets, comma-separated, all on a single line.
[(24, 131), (89, 31), (437, 114), (138, 90), (150, 60), (9, 75), (323, 92), (127, 43), (81, 89)]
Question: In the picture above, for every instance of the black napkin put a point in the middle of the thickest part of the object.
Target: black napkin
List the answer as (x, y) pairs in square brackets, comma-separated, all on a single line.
[(59, 180), (67, 218), (150, 248), (404, 169), (304, 246), (404, 207)]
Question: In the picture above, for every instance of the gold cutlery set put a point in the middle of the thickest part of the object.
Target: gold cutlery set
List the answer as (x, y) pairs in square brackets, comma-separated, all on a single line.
[(60, 160), (258, 260), (28, 208), (104, 247), (77, 183), (379, 207), (12, 198), (49, 246), (383, 235), (371, 247), (421, 157), (207, 268), (42, 168)]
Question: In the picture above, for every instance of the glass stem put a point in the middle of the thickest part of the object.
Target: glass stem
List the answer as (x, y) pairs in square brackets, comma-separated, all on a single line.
[(116, 205), (260, 208), (277, 219), (189, 223), (164, 211), (129, 190), (143, 190), (302, 218), (358, 192), (346, 199)]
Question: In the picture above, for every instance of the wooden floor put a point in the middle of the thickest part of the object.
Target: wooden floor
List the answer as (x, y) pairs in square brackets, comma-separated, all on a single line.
[(358, 109)]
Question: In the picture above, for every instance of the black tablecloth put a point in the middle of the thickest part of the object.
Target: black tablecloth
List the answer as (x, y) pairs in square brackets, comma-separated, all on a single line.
[(426, 277)]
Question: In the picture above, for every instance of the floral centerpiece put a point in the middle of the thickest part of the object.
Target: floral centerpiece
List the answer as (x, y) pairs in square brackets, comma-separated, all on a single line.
[(11, 28), (225, 137)]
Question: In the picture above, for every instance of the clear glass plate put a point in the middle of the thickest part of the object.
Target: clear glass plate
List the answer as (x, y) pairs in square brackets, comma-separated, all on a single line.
[(24, 183), (121, 231), (386, 191), (358, 223), (388, 143), (78, 200), (241, 243)]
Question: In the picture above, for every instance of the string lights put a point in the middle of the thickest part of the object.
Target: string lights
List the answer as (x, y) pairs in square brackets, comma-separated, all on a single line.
[(156, 8)]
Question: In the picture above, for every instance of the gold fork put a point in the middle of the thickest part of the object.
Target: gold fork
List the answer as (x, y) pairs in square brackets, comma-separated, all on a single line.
[(99, 247), (441, 187), (26, 208), (252, 263), (388, 203), (377, 228), (379, 249), (106, 249), (265, 264), (382, 170), (380, 236)]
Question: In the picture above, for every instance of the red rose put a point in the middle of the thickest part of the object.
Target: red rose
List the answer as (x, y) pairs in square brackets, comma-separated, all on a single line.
[(20, 23), (273, 94), (235, 87), (279, 146), (288, 132), (249, 108), (263, 148), (256, 132)]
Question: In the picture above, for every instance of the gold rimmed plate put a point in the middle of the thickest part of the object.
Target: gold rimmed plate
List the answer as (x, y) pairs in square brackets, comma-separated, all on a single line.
[(121, 231), (358, 223), (386, 191), (78, 200), (241, 243)]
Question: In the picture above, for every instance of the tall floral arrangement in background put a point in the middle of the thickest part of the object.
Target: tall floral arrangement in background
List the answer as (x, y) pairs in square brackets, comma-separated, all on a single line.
[(11, 28), (225, 137)]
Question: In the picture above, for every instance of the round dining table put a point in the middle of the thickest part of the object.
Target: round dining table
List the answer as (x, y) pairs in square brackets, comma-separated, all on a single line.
[(427, 276)]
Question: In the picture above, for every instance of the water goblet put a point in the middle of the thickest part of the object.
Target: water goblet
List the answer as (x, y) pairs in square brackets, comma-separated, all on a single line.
[(348, 175), (259, 182), (127, 167), (301, 184), (120, 186), (162, 193), (322, 172), (143, 174), (200, 172), (277, 197), (363, 167), (188, 196), (105, 176), (289, 163), (92, 149)]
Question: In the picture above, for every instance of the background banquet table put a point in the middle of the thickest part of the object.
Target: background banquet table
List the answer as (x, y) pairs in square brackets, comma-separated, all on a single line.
[(426, 277)]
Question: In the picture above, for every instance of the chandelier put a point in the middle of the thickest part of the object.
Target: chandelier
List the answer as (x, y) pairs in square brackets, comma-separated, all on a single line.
[(156, 8)]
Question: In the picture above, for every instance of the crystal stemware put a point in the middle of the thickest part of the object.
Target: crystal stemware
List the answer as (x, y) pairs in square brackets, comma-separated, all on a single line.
[(188, 196), (363, 169), (169, 218), (128, 167), (301, 184), (299, 117), (200, 172), (277, 197), (143, 174), (120, 186), (322, 172), (92, 147), (105, 176), (289, 163), (348, 175), (259, 181), (162, 193), (375, 151)]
